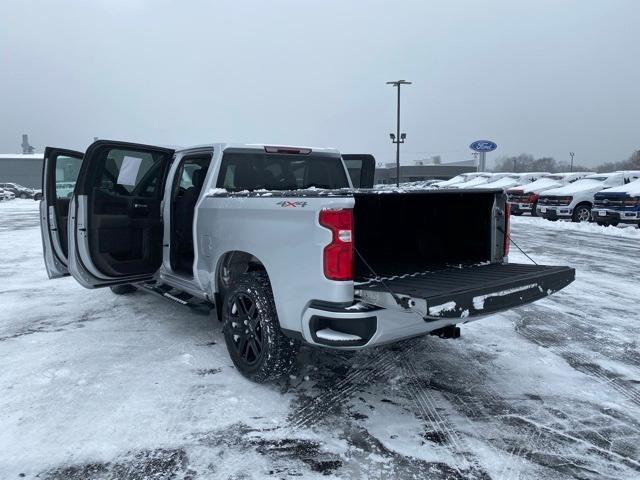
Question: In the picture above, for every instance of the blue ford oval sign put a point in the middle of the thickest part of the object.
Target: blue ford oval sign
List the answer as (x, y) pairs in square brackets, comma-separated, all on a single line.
[(483, 146)]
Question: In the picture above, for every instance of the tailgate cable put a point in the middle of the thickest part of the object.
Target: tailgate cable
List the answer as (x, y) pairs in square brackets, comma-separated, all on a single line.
[(403, 302), (516, 245)]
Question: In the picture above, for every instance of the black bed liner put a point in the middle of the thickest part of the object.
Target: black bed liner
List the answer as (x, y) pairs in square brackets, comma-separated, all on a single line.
[(476, 290)]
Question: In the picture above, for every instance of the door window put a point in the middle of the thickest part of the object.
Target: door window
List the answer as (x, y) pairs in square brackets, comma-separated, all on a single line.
[(128, 173), (67, 169)]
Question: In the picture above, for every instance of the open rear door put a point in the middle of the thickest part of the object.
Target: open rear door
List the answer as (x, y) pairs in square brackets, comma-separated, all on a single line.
[(59, 174), (362, 169), (116, 223)]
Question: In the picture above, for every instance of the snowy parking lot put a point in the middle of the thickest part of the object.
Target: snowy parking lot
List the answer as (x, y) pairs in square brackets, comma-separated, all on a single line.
[(95, 385)]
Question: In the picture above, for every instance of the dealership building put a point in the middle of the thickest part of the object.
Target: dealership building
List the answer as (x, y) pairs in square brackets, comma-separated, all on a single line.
[(420, 171), (21, 168)]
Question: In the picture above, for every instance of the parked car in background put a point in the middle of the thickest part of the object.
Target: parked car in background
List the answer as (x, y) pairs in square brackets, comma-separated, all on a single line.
[(463, 177), (575, 201), (6, 194), (525, 198), (480, 179), (64, 189), (18, 190), (509, 180), (616, 205)]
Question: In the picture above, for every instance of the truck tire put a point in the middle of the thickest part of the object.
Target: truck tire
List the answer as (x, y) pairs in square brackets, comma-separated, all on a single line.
[(582, 213), (123, 289), (256, 344)]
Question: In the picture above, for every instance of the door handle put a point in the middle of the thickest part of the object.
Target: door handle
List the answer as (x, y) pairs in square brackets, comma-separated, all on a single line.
[(140, 205)]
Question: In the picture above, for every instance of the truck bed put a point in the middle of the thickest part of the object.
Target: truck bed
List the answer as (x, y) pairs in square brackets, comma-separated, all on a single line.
[(471, 291)]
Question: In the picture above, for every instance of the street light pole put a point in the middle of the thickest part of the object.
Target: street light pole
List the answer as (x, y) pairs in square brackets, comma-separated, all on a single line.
[(398, 138), (571, 168)]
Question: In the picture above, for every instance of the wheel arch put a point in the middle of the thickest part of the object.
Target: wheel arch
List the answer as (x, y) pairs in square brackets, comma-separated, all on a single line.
[(232, 263)]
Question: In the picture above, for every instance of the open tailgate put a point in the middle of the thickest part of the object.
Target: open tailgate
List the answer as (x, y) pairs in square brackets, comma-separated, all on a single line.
[(468, 291)]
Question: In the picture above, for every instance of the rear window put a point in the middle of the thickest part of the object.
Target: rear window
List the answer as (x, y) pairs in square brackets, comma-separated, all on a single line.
[(255, 171)]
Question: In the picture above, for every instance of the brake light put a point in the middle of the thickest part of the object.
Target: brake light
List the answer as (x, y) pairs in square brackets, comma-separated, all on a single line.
[(338, 255), (289, 150), (507, 229)]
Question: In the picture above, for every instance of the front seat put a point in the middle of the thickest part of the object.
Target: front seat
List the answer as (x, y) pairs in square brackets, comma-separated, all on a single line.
[(185, 210)]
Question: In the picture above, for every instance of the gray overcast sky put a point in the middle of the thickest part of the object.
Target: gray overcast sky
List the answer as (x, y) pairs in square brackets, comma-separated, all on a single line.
[(542, 76)]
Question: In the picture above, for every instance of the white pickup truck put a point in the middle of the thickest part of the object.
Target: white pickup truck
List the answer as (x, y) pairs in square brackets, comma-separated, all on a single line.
[(575, 201), (524, 199), (480, 179), (457, 180), (282, 245), (506, 181)]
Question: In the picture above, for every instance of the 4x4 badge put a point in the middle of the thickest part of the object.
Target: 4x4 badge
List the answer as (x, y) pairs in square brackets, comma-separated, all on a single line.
[(292, 204)]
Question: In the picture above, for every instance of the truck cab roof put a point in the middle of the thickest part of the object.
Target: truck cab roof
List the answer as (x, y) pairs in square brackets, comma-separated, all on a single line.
[(258, 147)]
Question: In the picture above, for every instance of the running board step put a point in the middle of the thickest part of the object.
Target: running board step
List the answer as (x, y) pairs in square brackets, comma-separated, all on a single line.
[(180, 297)]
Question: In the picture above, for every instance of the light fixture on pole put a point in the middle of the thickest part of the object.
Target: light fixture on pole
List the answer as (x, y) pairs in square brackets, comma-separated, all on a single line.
[(398, 137)]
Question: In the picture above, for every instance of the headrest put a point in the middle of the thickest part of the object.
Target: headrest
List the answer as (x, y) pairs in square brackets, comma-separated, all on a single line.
[(245, 176), (197, 178)]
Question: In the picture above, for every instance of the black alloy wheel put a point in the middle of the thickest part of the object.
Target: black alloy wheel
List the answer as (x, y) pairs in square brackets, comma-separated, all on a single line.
[(246, 329), (256, 343)]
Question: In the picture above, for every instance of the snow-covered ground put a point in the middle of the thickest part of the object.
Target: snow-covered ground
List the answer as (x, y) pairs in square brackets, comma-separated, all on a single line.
[(94, 385)]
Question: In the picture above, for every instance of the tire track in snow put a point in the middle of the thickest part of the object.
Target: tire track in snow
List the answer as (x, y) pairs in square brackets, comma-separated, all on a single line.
[(581, 363), (428, 406), (315, 409)]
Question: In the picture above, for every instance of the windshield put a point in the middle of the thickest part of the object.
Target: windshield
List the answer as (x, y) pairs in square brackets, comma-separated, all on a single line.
[(255, 171), (554, 177)]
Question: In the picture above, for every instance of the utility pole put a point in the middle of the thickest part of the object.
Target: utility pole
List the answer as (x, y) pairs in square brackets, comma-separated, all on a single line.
[(571, 167), (398, 138), (515, 160)]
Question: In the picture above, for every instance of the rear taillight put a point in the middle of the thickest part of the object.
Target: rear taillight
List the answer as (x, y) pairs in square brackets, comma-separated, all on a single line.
[(507, 229), (338, 255)]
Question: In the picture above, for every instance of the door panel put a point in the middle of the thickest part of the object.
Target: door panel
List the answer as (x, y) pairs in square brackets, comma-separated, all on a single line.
[(118, 234), (362, 169), (59, 173)]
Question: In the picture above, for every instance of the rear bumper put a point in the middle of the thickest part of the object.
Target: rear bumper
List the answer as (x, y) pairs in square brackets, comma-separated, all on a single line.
[(432, 301), (386, 325)]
